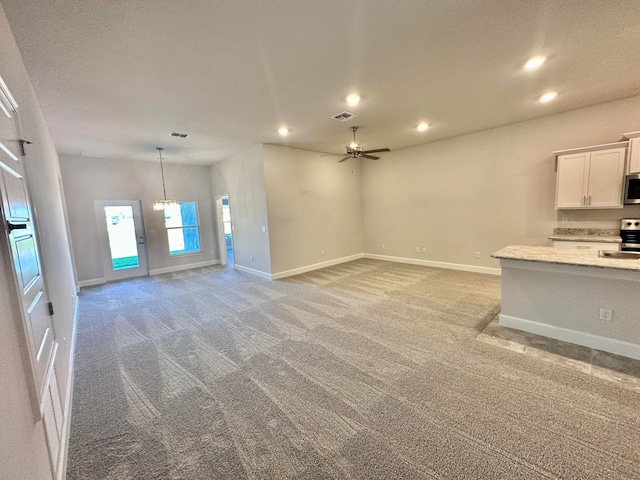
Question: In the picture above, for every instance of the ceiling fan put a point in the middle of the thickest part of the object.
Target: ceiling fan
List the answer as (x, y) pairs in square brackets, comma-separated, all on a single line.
[(356, 151)]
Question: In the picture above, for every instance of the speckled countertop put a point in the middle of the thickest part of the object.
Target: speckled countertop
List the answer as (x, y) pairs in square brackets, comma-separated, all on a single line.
[(564, 256), (587, 235)]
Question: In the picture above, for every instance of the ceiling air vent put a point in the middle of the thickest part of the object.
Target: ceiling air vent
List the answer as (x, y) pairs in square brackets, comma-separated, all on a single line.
[(181, 135), (344, 116)]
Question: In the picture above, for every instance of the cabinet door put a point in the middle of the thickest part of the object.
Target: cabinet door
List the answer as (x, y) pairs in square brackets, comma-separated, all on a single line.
[(634, 155), (606, 177), (572, 180)]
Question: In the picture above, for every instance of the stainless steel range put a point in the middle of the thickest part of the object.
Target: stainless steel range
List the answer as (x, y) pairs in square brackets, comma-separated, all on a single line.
[(630, 233)]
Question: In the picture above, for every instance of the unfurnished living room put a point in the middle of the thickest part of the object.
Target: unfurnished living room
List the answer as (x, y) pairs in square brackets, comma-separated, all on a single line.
[(297, 239)]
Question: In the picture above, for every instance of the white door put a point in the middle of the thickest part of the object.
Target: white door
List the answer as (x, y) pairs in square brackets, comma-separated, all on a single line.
[(40, 344), (122, 240)]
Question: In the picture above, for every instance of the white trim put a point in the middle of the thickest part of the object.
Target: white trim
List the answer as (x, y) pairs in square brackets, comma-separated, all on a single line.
[(610, 345), (257, 273), (177, 268), (431, 263), (91, 282), (66, 418), (316, 266), (591, 148)]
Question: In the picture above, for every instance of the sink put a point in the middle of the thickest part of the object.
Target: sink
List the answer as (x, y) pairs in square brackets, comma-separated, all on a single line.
[(619, 254)]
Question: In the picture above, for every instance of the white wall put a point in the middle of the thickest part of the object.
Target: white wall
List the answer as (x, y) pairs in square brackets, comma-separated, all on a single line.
[(87, 180), (242, 178), (314, 204), (23, 451), (482, 191)]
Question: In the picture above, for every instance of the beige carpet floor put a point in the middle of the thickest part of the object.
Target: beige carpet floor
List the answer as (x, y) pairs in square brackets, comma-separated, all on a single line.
[(365, 370)]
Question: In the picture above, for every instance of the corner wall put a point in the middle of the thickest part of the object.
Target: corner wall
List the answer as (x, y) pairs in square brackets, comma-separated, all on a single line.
[(242, 178), (23, 450), (486, 190), (87, 180), (314, 206)]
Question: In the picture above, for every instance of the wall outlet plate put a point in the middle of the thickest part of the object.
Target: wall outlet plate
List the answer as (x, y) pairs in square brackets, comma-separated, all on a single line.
[(606, 314)]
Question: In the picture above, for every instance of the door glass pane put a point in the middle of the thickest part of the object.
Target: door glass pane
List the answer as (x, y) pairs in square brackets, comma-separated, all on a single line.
[(122, 237)]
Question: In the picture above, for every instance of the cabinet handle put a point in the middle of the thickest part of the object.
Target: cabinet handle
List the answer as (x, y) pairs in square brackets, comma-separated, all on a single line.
[(584, 200), (589, 200), (583, 247)]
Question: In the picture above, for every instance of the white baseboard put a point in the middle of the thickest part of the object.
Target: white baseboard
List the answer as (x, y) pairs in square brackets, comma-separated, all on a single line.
[(66, 417), (177, 268), (316, 266), (257, 273), (92, 282), (605, 344), (431, 263)]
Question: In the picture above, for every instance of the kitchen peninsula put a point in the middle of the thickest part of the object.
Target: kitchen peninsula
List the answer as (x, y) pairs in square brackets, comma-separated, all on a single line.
[(573, 296)]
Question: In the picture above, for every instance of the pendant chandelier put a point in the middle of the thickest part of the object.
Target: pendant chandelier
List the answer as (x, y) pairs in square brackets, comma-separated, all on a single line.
[(162, 204)]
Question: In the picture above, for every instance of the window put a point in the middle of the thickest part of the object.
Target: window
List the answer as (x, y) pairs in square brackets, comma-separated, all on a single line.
[(181, 221)]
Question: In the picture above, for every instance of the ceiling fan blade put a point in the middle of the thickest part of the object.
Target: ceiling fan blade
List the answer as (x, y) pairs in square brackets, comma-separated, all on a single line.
[(370, 157), (345, 158), (377, 150)]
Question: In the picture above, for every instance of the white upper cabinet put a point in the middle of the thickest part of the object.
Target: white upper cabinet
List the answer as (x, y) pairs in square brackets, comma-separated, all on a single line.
[(634, 152), (591, 177)]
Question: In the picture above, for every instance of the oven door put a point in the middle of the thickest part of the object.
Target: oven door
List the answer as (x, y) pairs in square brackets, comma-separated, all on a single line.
[(632, 189)]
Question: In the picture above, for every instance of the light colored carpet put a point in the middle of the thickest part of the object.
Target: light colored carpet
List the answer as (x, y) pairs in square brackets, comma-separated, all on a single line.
[(366, 370)]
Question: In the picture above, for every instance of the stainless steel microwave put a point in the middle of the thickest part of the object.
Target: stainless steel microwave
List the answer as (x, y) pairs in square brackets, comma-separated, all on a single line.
[(632, 189)]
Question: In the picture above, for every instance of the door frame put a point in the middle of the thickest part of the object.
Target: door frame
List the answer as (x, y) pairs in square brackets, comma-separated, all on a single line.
[(222, 243), (43, 392), (105, 249)]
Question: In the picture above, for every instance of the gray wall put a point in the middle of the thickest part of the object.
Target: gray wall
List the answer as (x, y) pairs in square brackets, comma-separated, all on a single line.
[(242, 178), (483, 191), (23, 451), (313, 205), (87, 180)]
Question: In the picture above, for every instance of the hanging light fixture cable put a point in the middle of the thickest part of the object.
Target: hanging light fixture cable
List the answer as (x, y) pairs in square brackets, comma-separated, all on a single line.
[(162, 204)]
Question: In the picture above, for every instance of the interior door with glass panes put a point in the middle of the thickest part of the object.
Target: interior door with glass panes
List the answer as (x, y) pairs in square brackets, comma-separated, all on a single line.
[(122, 240)]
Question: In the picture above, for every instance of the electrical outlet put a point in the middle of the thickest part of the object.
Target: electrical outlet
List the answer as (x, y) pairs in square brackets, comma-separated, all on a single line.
[(264, 229), (251, 257), (383, 246), (322, 252), (424, 249), (477, 254), (606, 314), (565, 221), (417, 249)]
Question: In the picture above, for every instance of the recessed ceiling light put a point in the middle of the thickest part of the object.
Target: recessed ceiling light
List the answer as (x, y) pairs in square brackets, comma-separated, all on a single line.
[(547, 97), (534, 62), (422, 127), (284, 131), (353, 99)]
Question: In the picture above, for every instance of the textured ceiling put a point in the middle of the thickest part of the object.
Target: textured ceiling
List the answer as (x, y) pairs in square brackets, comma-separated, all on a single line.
[(115, 78)]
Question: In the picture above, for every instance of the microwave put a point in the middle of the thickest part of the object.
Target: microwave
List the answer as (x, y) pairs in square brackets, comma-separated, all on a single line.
[(632, 189)]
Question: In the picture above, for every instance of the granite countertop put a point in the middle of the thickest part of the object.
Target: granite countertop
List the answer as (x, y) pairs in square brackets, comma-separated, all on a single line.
[(565, 257), (587, 235)]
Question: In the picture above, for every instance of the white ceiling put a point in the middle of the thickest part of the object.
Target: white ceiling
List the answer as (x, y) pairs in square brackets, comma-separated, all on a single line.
[(115, 78)]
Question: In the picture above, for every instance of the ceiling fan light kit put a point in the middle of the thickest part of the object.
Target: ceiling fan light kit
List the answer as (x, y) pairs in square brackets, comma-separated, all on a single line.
[(357, 151)]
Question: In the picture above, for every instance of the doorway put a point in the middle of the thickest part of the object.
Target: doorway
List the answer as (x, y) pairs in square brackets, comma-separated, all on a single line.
[(122, 241), (225, 230)]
